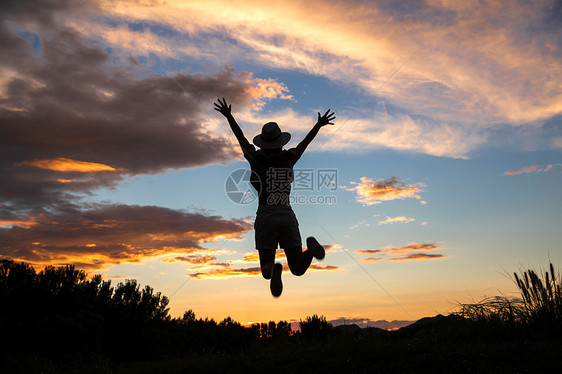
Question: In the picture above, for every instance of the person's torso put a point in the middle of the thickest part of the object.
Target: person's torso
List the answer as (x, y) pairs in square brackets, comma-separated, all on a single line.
[(272, 176)]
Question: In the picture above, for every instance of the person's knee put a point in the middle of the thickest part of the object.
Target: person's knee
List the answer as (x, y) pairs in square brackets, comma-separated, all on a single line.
[(296, 271), (266, 271)]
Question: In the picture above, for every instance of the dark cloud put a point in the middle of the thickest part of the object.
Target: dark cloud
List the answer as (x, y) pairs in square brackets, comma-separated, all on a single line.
[(65, 97), (113, 234)]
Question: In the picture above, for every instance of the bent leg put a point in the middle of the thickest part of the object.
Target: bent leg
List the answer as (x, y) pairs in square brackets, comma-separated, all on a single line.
[(267, 259), (298, 260)]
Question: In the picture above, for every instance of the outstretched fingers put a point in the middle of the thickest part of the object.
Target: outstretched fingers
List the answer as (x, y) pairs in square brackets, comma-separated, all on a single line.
[(222, 106), (327, 118)]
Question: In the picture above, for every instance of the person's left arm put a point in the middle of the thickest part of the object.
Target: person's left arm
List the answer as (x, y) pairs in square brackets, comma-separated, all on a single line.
[(324, 120)]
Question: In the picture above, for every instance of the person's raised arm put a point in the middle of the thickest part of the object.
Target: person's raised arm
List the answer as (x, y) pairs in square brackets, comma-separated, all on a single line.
[(226, 111), (324, 120)]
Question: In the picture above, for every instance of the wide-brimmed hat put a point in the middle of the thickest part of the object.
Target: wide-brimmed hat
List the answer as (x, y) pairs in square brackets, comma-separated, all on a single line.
[(271, 137)]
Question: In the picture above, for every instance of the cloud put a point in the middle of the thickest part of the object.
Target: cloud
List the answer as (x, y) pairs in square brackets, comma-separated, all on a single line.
[(228, 272), (412, 251), (374, 192), (413, 247), (113, 234), (361, 223), (368, 251), (417, 256), (401, 219), (262, 90), (193, 259), (77, 116), (65, 164), (529, 169), (469, 68)]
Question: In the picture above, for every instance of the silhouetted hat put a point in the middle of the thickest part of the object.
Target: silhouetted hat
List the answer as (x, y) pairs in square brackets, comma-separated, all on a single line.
[(271, 137)]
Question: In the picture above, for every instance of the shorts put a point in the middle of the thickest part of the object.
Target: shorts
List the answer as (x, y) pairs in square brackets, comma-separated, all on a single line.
[(277, 225)]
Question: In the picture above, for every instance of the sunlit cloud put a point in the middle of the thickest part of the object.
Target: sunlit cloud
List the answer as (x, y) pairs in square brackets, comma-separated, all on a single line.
[(371, 192), (226, 272), (65, 164), (368, 251), (229, 272), (193, 259), (114, 234), (417, 256), (4, 222), (412, 251), (401, 219), (262, 90), (360, 224), (476, 66), (529, 169)]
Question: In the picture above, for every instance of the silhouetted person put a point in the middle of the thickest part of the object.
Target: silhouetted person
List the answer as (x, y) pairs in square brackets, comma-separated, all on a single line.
[(272, 174)]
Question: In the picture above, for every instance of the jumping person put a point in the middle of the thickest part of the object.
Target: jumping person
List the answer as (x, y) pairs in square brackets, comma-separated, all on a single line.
[(272, 174)]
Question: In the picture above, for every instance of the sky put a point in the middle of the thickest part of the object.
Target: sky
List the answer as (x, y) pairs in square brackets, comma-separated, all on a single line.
[(440, 176)]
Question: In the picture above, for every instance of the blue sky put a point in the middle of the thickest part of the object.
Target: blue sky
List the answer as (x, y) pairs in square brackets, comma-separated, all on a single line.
[(447, 146)]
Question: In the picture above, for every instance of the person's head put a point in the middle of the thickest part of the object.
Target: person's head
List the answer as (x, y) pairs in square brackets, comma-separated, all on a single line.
[(271, 139)]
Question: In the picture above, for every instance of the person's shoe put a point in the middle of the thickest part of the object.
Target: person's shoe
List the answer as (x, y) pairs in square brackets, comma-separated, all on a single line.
[(276, 285), (316, 250)]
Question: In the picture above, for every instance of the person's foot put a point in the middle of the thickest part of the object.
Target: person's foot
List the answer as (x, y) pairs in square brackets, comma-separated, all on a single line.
[(276, 285), (316, 250)]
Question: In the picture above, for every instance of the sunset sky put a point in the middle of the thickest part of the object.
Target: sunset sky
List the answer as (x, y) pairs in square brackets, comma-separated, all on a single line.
[(441, 176)]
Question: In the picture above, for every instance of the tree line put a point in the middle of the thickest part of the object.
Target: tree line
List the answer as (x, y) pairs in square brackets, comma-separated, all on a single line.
[(62, 313)]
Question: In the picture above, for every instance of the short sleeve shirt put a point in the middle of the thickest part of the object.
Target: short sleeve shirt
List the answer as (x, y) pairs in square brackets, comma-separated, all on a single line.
[(272, 174)]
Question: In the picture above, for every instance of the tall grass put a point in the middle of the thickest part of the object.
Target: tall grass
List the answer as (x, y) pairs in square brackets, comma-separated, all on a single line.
[(542, 298), (539, 304)]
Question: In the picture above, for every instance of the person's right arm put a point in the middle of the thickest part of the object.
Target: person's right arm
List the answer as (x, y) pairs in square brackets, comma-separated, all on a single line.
[(226, 110)]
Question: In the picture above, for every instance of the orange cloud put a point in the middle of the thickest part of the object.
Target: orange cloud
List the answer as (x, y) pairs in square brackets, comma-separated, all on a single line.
[(370, 192), (194, 259), (115, 234), (66, 164), (266, 89), (228, 272), (530, 169), (403, 253), (526, 169), (413, 247), (17, 222), (400, 219), (368, 251), (417, 256)]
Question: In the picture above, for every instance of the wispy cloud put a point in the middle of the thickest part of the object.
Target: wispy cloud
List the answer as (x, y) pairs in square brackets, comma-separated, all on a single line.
[(229, 272), (472, 67), (371, 192), (412, 251), (530, 169), (400, 219)]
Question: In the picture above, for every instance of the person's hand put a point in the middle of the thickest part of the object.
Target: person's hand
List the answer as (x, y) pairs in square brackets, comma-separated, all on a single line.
[(223, 107), (326, 119)]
